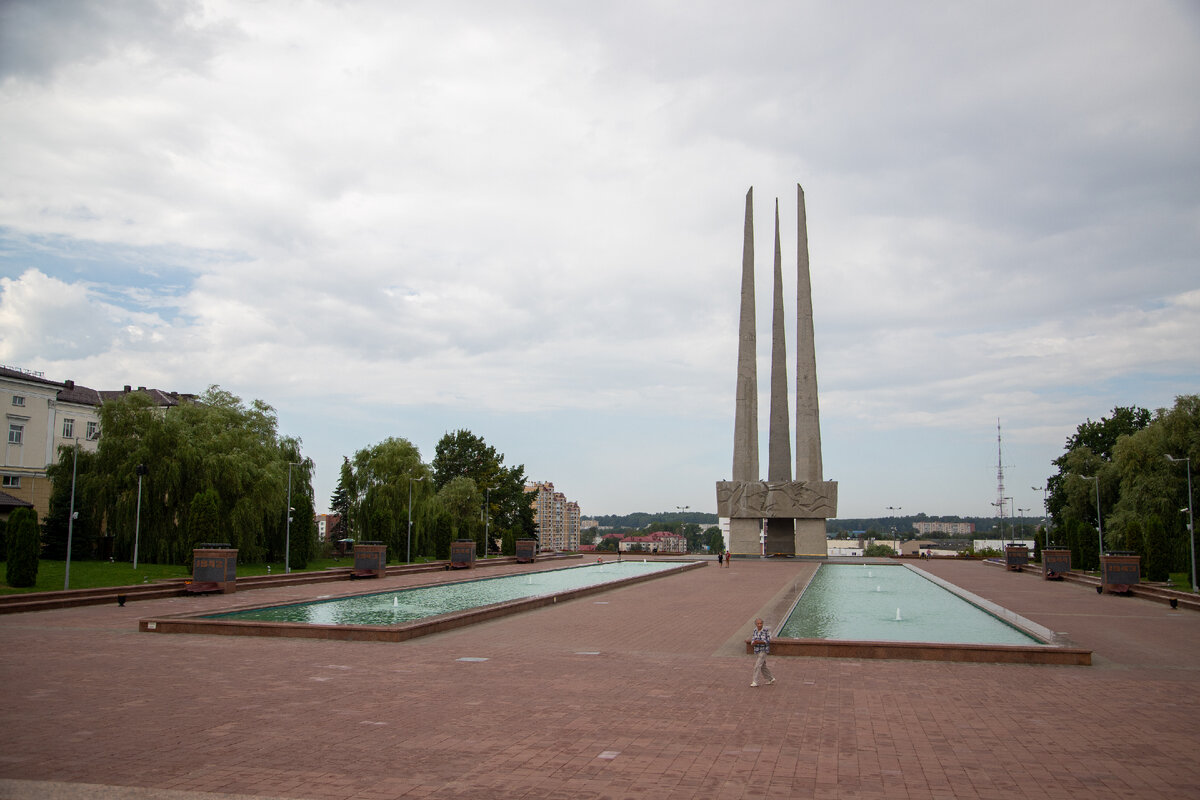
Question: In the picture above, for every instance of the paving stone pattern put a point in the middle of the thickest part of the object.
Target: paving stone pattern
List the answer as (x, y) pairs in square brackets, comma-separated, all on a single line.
[(640, 692)]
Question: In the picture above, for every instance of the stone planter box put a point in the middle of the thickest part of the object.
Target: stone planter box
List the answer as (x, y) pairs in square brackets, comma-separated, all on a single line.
[(214, 569), (1056, 561), (1119, 571), (526, 551), (1016, 556), (370, 560), (462, 554)]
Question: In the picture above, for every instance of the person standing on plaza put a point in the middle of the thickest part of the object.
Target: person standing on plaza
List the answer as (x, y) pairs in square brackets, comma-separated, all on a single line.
[(761, 641)]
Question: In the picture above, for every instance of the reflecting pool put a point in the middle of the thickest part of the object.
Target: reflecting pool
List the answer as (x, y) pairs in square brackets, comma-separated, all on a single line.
[(887, 603), (406, 605)]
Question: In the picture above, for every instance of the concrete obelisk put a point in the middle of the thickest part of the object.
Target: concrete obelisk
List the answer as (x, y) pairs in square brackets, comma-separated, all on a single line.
[(780, 531), (810, 532), (794, 510), (744, 531)]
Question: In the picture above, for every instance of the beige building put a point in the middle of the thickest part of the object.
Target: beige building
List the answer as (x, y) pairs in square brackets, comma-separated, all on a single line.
[(42, 416), (556, 518), (953, 528)]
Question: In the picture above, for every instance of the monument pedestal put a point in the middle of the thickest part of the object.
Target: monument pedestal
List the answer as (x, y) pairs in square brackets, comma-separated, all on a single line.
[(744, 539)]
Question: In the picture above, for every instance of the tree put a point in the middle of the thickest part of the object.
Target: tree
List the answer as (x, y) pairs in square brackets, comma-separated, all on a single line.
[(24, 545), (204, 521), (1157, 559), (339, 503), (461, 501), (462, 454), (377, 481), (215, 443), (878, 550), (714, 539), (57, 527)]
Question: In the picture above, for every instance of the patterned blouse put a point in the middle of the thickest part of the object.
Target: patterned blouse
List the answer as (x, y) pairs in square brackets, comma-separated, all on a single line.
[(761, 639)]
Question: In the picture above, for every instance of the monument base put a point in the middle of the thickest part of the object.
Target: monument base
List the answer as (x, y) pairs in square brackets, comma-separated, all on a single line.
[(744, 537), (810, 538)]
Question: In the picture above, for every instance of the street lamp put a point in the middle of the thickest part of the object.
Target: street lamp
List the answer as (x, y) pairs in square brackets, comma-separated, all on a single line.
[(287, 542), (682, 532), (895, 534), (1023, 512), (487, 517), (408, 554), (1045, 490), (1099, 520), (142, 469), (71, 518), (1191, 522)]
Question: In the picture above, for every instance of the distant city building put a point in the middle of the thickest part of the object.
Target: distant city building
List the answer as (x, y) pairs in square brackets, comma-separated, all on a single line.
[(586, 524), (555, 517), (326, 525), (654, 542), (952, 528)]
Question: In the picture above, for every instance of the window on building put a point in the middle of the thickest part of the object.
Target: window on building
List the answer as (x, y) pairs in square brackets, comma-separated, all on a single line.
[(15, 433), (19, 400), (93, 430), (12, 482), (68, 429)]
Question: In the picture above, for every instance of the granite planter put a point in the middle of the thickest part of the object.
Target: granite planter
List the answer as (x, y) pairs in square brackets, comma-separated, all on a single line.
[(462, 554), (1119, 571), (370, 560), (214, 569), (1056, 561)]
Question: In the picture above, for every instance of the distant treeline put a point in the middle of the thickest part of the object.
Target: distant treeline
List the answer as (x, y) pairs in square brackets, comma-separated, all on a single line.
[(904, 525), (641, 519)]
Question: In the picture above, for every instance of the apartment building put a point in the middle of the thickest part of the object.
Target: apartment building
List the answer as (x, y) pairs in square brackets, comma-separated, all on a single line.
[(42, 415), (556, 518)]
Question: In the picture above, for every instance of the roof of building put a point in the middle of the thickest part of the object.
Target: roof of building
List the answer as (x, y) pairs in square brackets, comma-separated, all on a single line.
[(8, 501)]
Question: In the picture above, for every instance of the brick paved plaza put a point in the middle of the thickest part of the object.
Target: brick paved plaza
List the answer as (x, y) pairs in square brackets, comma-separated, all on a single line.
[(641, 692)]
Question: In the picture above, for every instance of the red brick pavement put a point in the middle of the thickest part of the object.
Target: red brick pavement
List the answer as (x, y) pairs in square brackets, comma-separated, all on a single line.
[(640, 692)]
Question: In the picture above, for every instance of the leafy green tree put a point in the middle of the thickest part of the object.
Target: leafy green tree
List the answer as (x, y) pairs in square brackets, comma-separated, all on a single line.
[(462, 454), (714, 539), (204, 520), (1156, 561), (462, 501), (608, 544), (57, 527), (878, 550), (24, 545), (377, 481), (339, 503), (215, 443)]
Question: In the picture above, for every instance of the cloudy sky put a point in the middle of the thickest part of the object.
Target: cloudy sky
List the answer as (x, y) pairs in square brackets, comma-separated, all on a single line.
[(525, 219)]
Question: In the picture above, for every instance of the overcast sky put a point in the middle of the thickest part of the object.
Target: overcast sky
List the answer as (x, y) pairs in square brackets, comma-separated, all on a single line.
[(525, 219)]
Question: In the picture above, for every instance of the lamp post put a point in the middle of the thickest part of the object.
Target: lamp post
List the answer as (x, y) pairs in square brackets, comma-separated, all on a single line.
[(287, 542), (71, 518), (1099, 519), (1187, 460), (487, 516), (1023, 512), (682, 533), (895, 534), (408, 554), (142, 469), (1045, 490)]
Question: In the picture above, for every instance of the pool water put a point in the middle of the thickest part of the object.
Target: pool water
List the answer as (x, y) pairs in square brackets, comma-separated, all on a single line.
[(407, 605), (886, 603)]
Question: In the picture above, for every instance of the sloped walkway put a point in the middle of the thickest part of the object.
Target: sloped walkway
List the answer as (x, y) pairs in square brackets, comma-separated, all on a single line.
[(639, 692)]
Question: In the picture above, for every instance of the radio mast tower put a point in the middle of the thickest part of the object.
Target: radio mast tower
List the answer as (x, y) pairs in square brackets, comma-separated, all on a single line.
[(1000, 498)]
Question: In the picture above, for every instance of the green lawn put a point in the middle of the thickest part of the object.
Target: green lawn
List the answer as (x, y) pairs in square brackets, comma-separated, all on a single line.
[(93, 574)]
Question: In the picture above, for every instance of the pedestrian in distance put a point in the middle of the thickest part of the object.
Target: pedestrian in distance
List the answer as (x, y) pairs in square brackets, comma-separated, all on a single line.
[(761, 642), (720, 559)]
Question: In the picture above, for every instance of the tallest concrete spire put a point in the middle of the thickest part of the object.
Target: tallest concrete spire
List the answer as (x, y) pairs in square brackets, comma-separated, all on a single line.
[(745, 418), (808, 414)]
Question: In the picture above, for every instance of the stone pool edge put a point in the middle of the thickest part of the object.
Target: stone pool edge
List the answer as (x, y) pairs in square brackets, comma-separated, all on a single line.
[(193, 623)]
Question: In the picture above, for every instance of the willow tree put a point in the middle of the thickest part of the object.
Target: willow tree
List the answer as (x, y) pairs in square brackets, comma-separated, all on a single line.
[(378, 482), (215, 444)]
